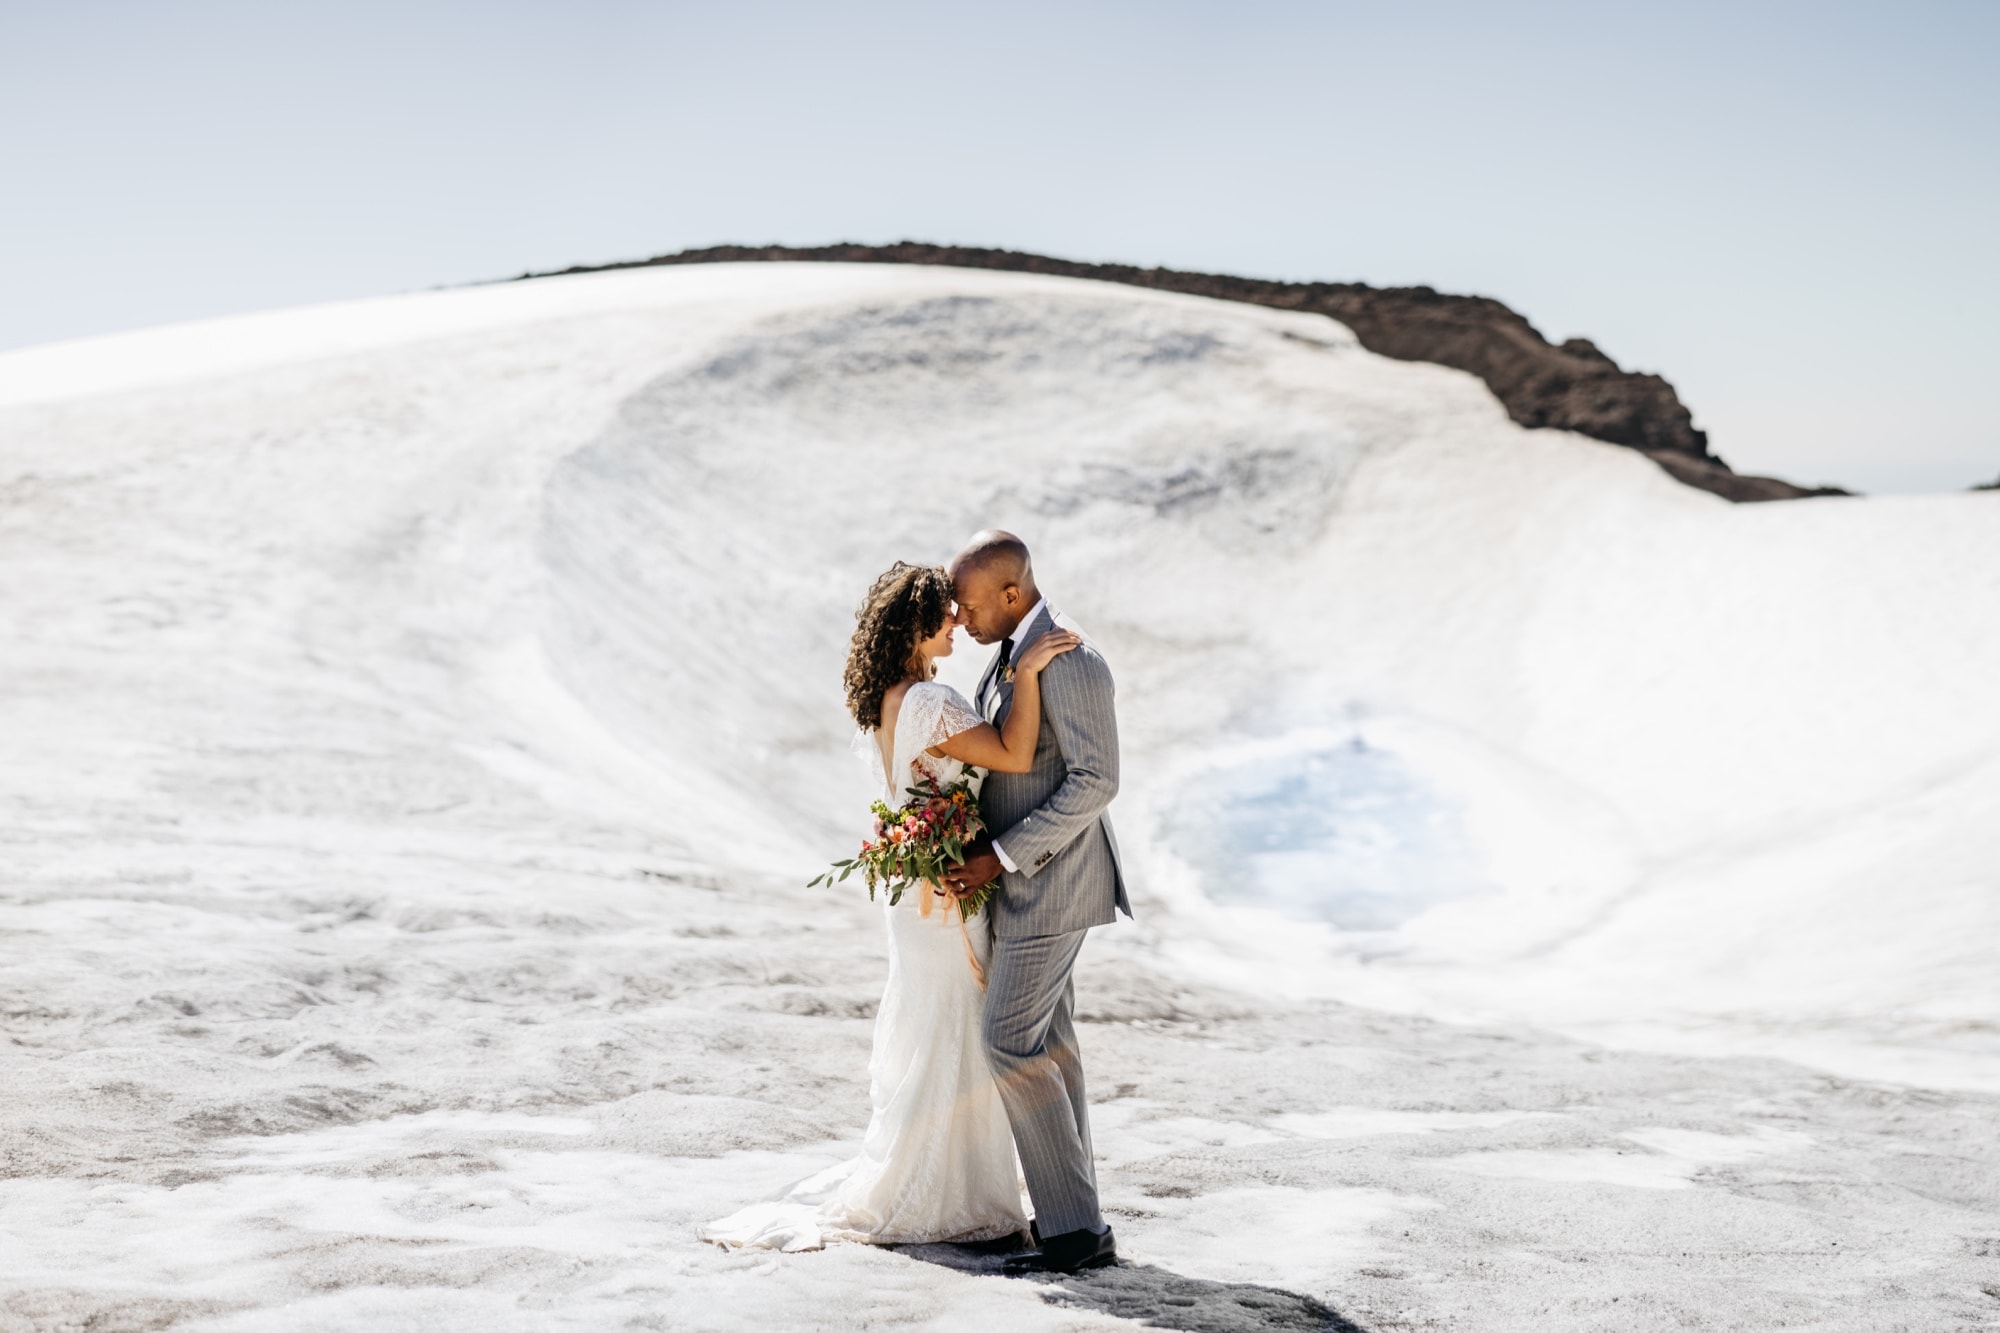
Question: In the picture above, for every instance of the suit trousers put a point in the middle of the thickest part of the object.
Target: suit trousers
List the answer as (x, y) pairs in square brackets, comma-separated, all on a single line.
[(1030, 1030)]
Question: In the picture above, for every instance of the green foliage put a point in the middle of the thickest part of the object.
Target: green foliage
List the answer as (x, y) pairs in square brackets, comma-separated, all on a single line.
[(917, 844)]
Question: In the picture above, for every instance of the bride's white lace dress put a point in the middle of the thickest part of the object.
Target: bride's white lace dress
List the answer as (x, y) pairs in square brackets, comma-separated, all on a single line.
[(937, 1162)]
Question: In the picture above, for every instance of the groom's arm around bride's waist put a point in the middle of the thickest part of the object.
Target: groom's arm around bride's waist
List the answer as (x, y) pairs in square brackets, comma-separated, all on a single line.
[(1077, 707)]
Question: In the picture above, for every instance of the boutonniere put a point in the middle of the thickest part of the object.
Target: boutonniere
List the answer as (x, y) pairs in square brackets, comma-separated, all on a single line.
[(1007, 674)]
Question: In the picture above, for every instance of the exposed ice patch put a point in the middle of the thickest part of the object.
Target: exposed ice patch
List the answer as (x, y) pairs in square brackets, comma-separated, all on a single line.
[(1348, 834)]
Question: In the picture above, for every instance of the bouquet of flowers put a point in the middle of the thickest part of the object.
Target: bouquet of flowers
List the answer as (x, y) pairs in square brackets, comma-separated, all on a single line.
[(919, 843)]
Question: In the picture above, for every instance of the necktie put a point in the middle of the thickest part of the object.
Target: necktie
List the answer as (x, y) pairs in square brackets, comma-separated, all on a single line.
[(999, 673)]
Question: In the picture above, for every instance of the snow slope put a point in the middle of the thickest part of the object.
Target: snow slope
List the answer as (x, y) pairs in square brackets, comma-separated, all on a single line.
[(400, 687)]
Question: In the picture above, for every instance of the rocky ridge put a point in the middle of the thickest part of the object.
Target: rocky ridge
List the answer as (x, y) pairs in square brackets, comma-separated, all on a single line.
[(1572, 386)]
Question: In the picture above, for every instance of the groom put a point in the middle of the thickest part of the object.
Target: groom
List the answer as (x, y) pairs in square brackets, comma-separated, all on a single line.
[(1057, 864)]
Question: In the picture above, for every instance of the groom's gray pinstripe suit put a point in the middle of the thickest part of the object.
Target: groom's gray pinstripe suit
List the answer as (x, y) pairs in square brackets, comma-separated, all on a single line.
[(1052, 824)]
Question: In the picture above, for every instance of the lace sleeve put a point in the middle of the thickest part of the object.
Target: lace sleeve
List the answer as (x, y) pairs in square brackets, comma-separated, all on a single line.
[(931, 714), (954, 714)]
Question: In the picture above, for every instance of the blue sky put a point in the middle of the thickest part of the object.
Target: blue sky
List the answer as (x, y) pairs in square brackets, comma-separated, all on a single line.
[(1787, 209)]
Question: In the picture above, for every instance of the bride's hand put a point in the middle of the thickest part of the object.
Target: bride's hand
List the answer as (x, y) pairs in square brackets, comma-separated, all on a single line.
[(1044, 651)]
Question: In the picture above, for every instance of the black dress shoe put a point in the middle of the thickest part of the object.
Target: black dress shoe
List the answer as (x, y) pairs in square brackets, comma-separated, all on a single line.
[(1071, 1252)]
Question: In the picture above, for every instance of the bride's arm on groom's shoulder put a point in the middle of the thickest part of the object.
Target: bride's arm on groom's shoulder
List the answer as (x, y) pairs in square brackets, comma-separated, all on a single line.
[(1013, 750), (1077, 694)]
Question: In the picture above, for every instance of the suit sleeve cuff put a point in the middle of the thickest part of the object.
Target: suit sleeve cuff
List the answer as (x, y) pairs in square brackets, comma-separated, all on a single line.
[(1006, 860)]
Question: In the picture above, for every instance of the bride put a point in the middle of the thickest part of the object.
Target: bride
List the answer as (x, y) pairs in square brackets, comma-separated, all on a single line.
[(937, 1162)]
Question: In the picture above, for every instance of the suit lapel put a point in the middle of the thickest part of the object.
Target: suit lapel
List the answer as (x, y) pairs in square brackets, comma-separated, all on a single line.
[(1004, 690), (986, 682)]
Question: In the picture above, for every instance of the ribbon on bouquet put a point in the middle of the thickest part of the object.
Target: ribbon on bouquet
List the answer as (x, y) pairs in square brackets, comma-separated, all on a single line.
[(924, 909)]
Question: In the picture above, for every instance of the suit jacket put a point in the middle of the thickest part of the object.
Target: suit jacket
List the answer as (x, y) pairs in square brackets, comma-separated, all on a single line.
[(1052, 819)]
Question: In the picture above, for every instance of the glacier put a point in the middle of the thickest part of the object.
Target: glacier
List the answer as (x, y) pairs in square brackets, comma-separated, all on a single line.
[(423, 714)]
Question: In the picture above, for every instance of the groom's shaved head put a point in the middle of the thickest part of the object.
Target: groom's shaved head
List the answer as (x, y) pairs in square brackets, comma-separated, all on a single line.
[(997, 553), (994, 582)]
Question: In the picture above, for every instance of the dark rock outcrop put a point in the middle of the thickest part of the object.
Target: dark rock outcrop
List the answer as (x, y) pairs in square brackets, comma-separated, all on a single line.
[(1569, 387), (1712, 474), (1993, 485)]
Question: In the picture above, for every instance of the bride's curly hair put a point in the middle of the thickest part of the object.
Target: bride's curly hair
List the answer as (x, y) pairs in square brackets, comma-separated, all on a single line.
[(906, 605)]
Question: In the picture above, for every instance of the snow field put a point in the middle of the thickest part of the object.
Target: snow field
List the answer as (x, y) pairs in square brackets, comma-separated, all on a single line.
[(422, 716)]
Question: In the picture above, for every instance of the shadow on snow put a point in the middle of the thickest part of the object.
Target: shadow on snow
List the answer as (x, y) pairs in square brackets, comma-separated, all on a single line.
[(1155, 1297)]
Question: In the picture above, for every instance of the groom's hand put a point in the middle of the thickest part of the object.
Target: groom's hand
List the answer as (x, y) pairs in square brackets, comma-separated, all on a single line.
[(980, 868)]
